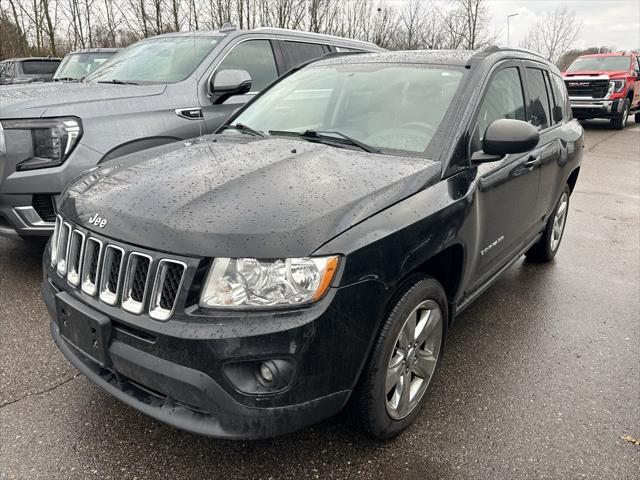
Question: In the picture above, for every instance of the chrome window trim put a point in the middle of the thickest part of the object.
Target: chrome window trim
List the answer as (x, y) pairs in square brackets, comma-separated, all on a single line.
[(73, 277), (128, 303), (155, 310), (89, 287), (61, 267), (54, 241), (106, 296)]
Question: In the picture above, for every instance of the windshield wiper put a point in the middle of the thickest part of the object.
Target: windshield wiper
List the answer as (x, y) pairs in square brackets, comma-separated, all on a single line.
[(325, 136), (241, 127), (117, 82), (65, 79)]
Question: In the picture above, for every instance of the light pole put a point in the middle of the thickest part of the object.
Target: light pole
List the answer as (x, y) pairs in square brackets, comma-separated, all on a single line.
[(508, 32)]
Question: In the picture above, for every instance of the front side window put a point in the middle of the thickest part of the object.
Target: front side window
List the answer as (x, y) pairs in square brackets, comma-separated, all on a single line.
[(156, 60), (538, 112), (504, 98), (256, 57), (396, 108), (594, 64)]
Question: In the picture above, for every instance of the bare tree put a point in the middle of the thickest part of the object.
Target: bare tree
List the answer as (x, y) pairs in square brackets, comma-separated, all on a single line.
[(554, 34)]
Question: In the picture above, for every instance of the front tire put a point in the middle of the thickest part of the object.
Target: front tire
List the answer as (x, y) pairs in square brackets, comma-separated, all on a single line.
[(620, 121), (403, 361), (547, 247)]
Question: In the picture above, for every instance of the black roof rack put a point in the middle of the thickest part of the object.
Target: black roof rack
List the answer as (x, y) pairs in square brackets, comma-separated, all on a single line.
[(491, 49)]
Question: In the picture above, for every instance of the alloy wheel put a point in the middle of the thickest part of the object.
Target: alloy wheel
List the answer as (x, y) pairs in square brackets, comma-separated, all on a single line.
[(559, 221), (414, 359)]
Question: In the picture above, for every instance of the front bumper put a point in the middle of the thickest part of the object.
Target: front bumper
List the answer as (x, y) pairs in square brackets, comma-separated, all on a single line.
[(584, 108), (179, 374)]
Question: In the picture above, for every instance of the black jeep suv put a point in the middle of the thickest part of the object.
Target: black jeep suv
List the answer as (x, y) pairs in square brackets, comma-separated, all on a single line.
[(316, 249)]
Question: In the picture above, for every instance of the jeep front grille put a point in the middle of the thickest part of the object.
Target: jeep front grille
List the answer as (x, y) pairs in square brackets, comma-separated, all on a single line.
[(117, 276), (165, 288)]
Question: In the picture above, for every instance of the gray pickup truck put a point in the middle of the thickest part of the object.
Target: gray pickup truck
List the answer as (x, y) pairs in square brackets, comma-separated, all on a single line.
[(159, 90)]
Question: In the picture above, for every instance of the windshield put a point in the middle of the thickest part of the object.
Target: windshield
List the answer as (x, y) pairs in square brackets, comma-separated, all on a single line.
[(611, 64), (78, 65), (392, 107), (39, 67), (156, 60)]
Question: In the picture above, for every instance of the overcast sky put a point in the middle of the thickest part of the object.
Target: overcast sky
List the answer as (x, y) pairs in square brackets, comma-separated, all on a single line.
[(606, 22), (614, 23)]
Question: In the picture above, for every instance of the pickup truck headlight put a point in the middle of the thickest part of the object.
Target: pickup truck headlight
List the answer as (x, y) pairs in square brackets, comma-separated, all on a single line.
[(253, 283), (53, 140), (617, 85)]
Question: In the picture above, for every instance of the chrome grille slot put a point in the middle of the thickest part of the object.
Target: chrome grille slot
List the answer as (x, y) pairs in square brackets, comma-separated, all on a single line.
[(110, 274), (54, 241), (136, 281), (91, 266), (74, 260), (166, 288), (63, 248)]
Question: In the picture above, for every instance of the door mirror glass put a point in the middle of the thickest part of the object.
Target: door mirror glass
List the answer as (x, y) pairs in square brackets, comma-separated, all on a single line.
[(227, 83), (557, 114), (505, 136)]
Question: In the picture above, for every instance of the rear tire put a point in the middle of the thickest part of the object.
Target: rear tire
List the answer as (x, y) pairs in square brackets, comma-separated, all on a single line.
[(620, 121), (546, 248), (403, 360)]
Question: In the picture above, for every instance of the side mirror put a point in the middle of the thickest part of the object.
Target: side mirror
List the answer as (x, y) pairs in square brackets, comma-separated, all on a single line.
[(557, 113), (505, 136), (227, 83)]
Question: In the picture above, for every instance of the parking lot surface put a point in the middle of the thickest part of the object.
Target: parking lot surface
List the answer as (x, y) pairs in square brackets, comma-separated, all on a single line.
[(540, 378)]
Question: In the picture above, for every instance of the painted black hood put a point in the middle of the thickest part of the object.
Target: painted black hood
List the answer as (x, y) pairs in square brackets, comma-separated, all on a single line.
[(265, 198)]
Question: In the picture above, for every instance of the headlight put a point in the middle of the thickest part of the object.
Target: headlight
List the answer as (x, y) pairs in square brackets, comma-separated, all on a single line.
[(617, 85), (52, 139), (252, 283)]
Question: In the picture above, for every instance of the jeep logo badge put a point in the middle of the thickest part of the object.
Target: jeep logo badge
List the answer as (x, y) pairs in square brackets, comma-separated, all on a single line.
[(98, 221)]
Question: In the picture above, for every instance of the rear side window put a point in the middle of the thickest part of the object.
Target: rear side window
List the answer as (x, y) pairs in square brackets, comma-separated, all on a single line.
[(256, 57), (39, 67), (560, 95), (504, 98), (538, 112), (296, 53)]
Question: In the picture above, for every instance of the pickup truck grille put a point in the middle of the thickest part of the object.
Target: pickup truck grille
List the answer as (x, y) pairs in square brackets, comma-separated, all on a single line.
[(117, 275), (587, 88)]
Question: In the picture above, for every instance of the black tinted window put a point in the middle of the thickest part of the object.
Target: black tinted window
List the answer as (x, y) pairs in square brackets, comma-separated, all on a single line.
[(503, 99), (296, 53), (538, 113), (560, 97), (256, 57), (39, 67)]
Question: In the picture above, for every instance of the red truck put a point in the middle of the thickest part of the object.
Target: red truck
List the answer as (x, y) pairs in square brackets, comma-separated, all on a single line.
[(605, 85)]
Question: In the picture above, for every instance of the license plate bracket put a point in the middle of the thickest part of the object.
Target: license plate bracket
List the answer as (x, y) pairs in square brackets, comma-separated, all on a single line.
[(85, 329)]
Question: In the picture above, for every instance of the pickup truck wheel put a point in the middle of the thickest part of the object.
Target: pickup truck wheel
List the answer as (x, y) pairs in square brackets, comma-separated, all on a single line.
[(403, 360), (620, 121), (547, 247)]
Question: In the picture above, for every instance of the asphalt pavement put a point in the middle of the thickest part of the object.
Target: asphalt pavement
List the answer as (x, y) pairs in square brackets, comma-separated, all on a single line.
[(540, 378)]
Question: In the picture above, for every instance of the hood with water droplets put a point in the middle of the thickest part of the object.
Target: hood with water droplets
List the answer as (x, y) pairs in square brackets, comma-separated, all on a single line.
[(266, 198)]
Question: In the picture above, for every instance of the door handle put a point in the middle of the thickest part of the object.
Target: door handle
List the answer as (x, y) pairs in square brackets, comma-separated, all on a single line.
[(532, 161)]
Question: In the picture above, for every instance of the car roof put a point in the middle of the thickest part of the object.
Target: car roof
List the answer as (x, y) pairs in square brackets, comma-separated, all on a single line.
[(466, 58), (276, 31), (95, 50), (609, 54), (24, 59)]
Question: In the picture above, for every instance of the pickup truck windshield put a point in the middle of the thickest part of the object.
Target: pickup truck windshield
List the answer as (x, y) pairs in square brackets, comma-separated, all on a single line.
[(388, 107), (607, 64), (79, 65), (156, 60)]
